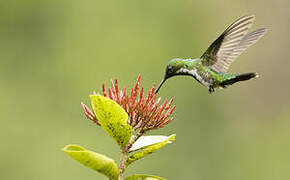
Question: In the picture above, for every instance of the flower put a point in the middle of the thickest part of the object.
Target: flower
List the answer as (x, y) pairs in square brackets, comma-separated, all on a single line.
[(145, 113)]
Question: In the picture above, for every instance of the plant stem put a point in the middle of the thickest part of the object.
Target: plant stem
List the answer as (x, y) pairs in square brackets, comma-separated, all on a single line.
[(123, 160), (125, 154)]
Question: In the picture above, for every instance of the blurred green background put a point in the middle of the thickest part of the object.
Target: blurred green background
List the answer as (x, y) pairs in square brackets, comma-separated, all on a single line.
[(53, 54)]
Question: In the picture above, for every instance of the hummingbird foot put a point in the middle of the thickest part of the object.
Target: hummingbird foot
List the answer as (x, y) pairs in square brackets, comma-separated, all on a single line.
[(211, 89)]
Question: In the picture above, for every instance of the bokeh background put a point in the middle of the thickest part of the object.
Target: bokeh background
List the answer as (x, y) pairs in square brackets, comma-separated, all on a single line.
[(53, 54)]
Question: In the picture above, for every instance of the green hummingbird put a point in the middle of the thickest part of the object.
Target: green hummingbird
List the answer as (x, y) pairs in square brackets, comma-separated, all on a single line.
[(211, 68)]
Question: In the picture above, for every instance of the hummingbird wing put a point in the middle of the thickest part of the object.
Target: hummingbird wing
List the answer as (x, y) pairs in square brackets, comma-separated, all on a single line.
[(231, 43)]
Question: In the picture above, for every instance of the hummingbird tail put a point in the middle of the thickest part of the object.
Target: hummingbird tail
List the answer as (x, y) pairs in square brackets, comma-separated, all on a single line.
[(246, 76), (240, 77)]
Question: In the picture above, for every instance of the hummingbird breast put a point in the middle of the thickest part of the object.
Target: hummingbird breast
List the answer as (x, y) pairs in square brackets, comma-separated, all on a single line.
[(201, 76)]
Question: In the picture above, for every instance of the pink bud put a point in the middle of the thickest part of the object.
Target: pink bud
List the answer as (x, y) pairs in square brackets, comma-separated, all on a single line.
[(89, 114)]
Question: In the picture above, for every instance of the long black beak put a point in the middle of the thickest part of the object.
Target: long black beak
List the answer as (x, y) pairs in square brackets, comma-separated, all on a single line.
[(162, 82)]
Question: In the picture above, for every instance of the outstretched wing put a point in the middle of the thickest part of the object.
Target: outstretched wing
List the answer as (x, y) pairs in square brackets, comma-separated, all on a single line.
[(231, 43), (249, 40)]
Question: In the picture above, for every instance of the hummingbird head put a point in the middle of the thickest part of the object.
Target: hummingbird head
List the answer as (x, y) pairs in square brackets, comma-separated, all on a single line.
[(172, 69)]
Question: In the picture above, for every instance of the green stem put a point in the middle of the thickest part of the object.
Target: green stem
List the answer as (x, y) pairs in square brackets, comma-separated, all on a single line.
[(125, 154), (122, 166)]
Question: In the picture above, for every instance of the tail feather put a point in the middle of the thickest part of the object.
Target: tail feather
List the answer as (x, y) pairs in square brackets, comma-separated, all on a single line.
[(240, 77)]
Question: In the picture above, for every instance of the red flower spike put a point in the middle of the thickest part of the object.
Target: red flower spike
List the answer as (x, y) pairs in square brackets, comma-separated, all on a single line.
[(137, 86), (145, 113), (167, 114), (110, 94), (166, 122), (161, 109), (132, 95), (117, 91), (169, 104), (124, 91), (141, 95), (113, 89), (104, 90)]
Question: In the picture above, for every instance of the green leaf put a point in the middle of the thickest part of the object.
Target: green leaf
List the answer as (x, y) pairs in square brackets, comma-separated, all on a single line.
[(149, 149), (112, 118), (144, 177), (145, 141), (93, 160)]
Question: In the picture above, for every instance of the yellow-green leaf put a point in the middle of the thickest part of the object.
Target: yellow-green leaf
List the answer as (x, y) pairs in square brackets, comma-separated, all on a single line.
[(112, 118), (144, 177), (145, 141), (93, 160), (149, 149)]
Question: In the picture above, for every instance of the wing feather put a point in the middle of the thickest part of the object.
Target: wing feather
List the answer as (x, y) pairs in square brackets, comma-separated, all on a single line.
[(231, 43), (247, 41)]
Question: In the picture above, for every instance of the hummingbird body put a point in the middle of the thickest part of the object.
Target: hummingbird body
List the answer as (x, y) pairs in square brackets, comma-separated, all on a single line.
[(203, 74), (211, 68)]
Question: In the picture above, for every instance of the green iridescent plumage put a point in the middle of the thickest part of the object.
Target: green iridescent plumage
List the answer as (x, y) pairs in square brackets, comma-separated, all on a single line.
[(211, 68)]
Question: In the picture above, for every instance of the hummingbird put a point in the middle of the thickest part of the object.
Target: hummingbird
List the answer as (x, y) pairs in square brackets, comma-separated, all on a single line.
[(211, 68)]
